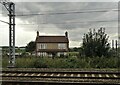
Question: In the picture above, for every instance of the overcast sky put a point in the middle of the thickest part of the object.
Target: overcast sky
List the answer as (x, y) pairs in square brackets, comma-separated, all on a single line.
[(54, 18)]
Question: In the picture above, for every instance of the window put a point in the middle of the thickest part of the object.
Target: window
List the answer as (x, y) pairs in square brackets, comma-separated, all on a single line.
[(42, 54), (61, 46), (43, 46)]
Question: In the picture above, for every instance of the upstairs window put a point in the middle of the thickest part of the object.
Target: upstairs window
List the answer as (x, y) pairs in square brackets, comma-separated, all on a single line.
[(61, 46), (43, 46)]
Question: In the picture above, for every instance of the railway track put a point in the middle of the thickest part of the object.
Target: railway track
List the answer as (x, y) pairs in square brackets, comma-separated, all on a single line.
[(87, 77)]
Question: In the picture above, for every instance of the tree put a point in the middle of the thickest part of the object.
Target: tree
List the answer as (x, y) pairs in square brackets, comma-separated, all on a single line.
[(30, 47), (96, 43), (75, 49)]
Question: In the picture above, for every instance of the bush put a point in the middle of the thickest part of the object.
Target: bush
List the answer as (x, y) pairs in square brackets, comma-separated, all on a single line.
[(40, 63), (70, 62), (27, 62), (5, 61)]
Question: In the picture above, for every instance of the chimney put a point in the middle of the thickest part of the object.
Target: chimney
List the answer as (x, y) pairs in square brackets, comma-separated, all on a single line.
[(37, 34), (66, 34)]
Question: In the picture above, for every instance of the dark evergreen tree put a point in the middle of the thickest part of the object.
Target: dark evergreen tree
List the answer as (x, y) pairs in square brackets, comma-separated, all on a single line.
[(30, 47)]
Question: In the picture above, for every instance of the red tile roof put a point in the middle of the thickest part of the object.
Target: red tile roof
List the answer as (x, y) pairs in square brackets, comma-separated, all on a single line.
[(52, 39)]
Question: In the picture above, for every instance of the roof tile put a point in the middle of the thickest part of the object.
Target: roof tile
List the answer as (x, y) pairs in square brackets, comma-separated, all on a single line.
[(52, 39)]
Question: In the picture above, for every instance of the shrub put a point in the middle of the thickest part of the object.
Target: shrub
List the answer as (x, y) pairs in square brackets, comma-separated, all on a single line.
[(70, 62), (27, 62), (40, 63)]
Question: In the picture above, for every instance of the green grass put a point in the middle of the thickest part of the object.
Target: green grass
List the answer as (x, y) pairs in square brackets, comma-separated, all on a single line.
[(5, 62), (70, 62)]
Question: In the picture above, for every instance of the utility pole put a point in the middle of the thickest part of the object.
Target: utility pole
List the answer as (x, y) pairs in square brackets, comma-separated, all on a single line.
[(10, 6), (112, 44), (116, 44)]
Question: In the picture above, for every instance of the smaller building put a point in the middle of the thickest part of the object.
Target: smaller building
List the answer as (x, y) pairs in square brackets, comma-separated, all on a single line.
[(52, 45)]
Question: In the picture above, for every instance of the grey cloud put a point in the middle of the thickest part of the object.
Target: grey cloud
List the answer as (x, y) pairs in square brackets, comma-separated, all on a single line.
[(75, 23)]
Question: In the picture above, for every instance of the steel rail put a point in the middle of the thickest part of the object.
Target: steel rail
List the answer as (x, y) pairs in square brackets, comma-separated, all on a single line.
[(68, 77), (75, 72)]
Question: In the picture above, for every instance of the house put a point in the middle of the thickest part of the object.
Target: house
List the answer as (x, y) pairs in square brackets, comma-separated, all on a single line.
[(52, 45)]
